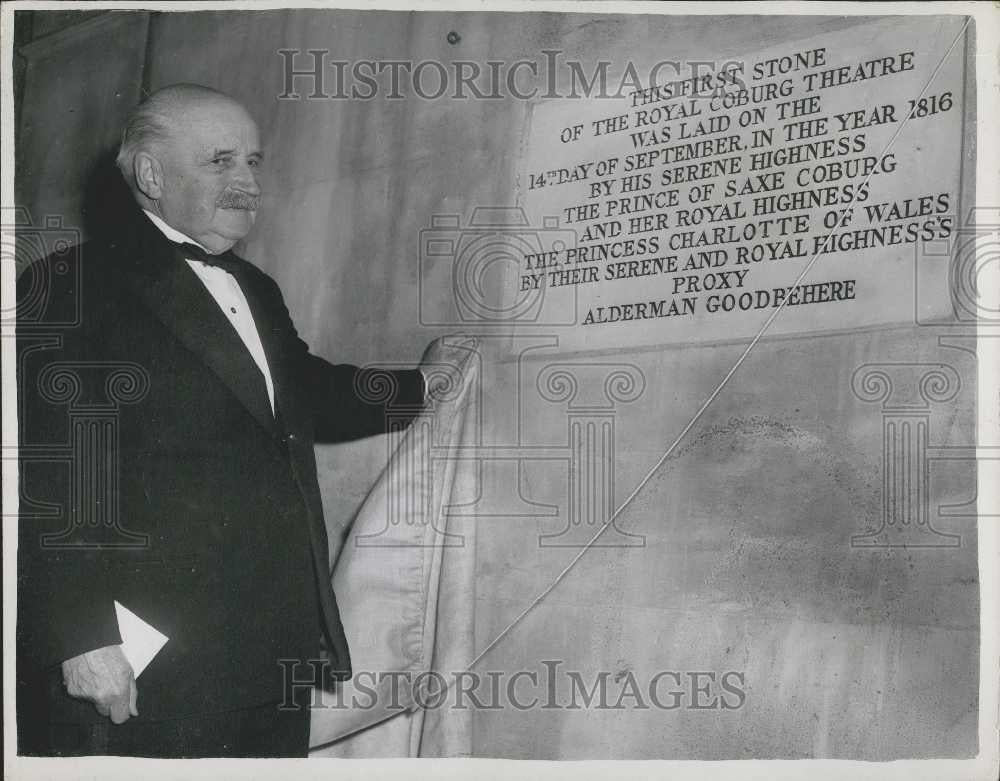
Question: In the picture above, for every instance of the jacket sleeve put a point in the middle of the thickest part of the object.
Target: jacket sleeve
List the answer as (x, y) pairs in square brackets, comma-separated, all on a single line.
[(350, 403), (65, 600), (347, 402)]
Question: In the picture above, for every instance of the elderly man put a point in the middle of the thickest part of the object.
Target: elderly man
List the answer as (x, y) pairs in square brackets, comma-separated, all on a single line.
[(219, 541)]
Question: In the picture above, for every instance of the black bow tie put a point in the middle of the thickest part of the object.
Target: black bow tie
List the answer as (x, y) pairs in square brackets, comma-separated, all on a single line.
[(224, 260)]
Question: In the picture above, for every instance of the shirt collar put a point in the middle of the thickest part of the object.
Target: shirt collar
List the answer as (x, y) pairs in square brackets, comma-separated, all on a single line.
[(171, 233)]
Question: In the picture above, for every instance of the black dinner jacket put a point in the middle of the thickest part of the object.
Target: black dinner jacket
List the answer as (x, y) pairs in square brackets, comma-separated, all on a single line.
[(196, 508)]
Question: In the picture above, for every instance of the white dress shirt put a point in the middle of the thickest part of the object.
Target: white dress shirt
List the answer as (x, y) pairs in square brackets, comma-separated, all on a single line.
[(226, 291)]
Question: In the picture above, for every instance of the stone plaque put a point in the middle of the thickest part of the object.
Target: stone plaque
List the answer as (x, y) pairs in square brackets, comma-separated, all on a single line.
[(804, 188)]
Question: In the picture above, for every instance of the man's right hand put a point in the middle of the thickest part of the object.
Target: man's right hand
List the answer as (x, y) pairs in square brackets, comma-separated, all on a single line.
[(103, 676)]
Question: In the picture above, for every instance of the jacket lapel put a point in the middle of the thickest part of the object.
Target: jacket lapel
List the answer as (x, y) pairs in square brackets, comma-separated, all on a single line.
[(294, 419), (171, 290), (273, 333)]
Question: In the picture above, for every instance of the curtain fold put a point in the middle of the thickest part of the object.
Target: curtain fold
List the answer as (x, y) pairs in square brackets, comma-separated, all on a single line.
[(406, 588)]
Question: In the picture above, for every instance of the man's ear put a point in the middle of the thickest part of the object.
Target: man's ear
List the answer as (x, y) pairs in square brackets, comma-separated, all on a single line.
[(148, 175)]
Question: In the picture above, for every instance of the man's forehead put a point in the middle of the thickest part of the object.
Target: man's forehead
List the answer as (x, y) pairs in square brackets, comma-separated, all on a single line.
[(215, 111), (223, 125)]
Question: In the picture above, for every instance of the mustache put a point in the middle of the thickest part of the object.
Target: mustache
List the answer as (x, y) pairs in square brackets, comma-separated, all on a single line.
[(234, 199)]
